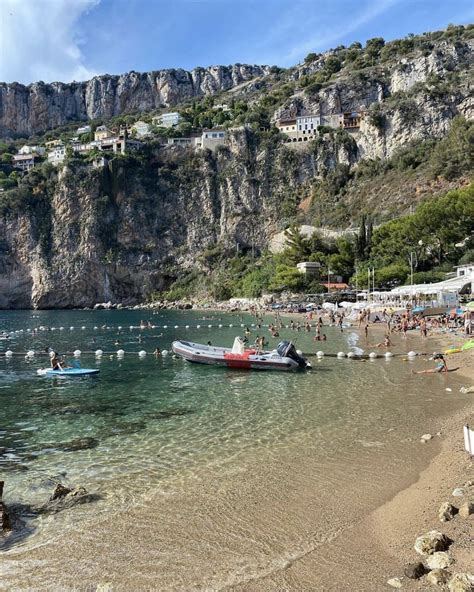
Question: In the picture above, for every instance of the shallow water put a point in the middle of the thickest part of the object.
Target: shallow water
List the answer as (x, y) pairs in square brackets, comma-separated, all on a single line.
[(152, 426)]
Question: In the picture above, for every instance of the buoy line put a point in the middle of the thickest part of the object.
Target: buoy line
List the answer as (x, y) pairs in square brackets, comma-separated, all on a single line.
[(43, 328)]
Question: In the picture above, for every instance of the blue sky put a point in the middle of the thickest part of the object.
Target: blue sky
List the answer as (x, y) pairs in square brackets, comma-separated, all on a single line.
[(76, 39)]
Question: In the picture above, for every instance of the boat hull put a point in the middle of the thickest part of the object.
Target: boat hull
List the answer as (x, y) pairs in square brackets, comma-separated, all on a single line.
[(219, 356), (69, 372)]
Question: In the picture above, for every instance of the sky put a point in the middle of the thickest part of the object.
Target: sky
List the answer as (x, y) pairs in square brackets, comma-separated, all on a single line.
[(66, 40)]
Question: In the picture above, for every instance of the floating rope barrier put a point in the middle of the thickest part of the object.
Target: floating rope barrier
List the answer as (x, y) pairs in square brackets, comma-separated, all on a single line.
[(120, 353)]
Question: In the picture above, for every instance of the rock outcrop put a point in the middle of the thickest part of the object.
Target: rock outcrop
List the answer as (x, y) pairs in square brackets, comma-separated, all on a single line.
[(27, 110)]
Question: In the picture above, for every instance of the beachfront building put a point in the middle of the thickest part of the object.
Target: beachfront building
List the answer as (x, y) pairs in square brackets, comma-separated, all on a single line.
[(309, 267), (167, 119), (102, 133), (24, 162), (288, 127), (32, 150), (86, 129), (332, 120), (57, 155), (140, 129), (186, 142)]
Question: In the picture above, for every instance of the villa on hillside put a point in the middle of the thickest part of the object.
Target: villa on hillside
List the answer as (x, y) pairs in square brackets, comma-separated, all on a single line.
[(140, 128), (167, 119), (301, 128), (102, 133), (86, 129), (57, 155), (32, 150), (24, 162), (209, 139)]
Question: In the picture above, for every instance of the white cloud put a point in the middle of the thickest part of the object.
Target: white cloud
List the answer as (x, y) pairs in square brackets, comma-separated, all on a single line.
[(39, 40)]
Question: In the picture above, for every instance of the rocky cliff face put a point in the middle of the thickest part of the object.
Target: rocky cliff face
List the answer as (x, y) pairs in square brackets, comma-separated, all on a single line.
[(26, 110), (118, 233)]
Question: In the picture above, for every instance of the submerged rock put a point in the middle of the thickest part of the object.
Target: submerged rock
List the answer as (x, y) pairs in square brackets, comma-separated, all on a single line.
[(80, 444), (461, 582), (447, 512), (432, 541), (59, 492), (5, 522), (438, 577), (415, 570), (439, 560), (64, 498)]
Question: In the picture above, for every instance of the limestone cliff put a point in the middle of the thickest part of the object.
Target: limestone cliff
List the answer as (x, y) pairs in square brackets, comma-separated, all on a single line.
[(27, 110), (83, 235)]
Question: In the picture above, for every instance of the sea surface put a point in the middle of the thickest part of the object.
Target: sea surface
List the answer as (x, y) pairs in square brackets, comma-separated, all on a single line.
[(147, 432)]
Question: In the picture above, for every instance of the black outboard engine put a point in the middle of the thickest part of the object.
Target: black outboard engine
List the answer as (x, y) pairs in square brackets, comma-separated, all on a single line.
[(286, 349)]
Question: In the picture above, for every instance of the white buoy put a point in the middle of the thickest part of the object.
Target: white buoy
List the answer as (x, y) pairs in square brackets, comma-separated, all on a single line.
[(209, 326), (176, 327), (142, 353), (411, 354), (119, 328), (242, 325), (165, 352), (96, 328), (120, 353), (253, 325), (71, 328), (30, 353), (8, 353), (53, 328), (187, 327), (341, 355), (131, 327), (388, 355), (98, 353), (351, 354), (320, 354), (231, 326), (77, 353), (373, 355), (220, 326), (165, 326), (83, 328), (61, 328), (198, 326)]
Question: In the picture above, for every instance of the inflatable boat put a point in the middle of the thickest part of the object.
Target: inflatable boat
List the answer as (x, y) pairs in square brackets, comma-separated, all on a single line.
[(284, 357)]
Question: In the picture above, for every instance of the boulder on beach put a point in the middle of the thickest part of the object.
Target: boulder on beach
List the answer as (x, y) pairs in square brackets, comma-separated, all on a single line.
[(466, 510), (432, 541), (458, 492), (447, 512), (438, 577), (461, 582), (415, 570), (425, 438), (439, 560)]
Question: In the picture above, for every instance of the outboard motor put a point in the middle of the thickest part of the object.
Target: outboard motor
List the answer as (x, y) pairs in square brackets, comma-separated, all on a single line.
[(286, 349)]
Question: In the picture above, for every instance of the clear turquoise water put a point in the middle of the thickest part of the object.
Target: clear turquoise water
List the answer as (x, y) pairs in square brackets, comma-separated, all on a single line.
[(152, 420)]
